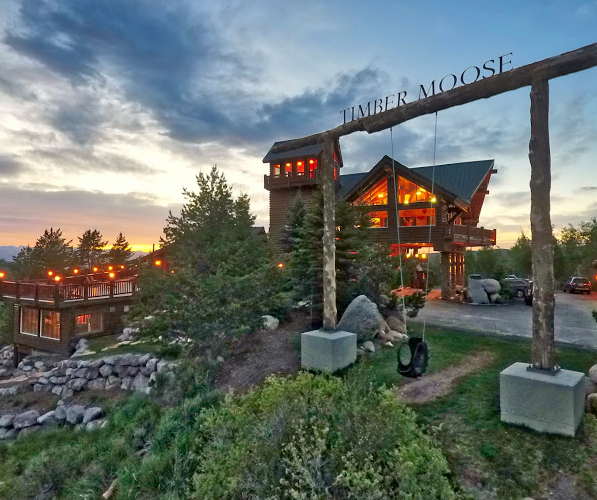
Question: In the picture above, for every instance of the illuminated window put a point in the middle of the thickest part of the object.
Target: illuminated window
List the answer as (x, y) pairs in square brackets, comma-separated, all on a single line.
[(377, 195), (300, 168), (50, 325), (312, 167), (288, 169), (379, 219), (409, 192), (29, 321), (89, 323), (417, 217), (276, 171)]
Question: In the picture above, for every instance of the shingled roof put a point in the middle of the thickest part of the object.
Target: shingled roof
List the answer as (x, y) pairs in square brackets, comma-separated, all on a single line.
[(313, 150), (459, 179), (462, 179)]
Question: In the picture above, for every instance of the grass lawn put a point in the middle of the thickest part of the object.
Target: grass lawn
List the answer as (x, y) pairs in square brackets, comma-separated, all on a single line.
[(98, 343), (491, 459)]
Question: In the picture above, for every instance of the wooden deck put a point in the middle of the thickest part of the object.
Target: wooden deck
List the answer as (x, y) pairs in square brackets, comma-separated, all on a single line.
[(27, 293)]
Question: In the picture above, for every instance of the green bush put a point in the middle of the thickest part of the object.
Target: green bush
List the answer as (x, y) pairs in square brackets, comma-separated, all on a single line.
[(316, 437)]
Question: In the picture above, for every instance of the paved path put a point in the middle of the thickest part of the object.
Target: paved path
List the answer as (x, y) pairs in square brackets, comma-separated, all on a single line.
[(574, 323)]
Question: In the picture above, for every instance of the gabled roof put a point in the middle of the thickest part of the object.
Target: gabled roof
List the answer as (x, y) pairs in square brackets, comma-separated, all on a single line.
[(313, 150), (348, 182), (457, 181), (462, 179)]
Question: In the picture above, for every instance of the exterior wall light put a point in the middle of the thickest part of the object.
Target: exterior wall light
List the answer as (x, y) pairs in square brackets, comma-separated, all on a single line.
[(2, 275), (75, 271), (95, 269), (50, 273), (57, 278), (110, 268), (112, 275), (158, 263), (280, 265)]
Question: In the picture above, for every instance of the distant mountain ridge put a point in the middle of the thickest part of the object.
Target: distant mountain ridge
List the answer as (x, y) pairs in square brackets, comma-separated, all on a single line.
[(9, 251)]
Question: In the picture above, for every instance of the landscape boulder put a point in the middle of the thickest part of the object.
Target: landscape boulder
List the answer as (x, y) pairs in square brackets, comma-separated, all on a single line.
[(491, 285), (591, 405), (593, 373), (590, 386), (26, 419), (29, 430), (6, 420), (74, 414), (92, 413), (363, 318), (269, 322), (477, 292), (396, 324), (48, 418), (368, 346)]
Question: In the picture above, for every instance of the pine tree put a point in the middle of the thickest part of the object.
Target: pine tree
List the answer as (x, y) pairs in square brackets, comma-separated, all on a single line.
[(91, 249), (121, 251)]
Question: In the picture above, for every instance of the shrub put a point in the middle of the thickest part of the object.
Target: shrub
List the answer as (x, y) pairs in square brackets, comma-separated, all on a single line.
[(6, 325), (315, 437)]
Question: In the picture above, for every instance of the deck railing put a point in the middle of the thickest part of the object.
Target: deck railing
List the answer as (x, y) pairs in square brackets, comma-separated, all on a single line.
[(35, 293)]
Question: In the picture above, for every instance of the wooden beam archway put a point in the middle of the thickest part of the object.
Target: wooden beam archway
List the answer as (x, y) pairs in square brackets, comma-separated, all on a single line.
[(535, 75)]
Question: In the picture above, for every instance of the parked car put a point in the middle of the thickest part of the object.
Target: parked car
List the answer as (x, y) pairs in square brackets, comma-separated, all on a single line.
[(518, 286), (528, 296), (577, 284), (511, 277)]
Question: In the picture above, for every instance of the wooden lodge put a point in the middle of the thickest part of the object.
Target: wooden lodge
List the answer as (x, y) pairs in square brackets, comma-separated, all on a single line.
[(438, 208), (52, 317)]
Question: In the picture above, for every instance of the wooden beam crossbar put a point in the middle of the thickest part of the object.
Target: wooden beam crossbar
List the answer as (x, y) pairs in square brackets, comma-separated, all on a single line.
[(553, 67)]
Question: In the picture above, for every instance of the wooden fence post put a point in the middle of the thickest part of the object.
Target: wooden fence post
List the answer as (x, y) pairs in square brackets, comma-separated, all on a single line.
[(329, 233), (543, 355)]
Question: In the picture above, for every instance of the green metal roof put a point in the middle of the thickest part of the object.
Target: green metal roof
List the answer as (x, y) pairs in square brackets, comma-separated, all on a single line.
[(303, 152), (461, 179)]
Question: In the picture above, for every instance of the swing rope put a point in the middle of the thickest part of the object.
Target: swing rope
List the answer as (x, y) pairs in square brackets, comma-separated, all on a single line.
[(398, 226), (419, 350), (432, 194)]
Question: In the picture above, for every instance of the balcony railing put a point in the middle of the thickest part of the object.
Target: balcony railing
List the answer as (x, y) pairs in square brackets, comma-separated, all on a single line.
[(294, 179), (470, 235), (39, 293)]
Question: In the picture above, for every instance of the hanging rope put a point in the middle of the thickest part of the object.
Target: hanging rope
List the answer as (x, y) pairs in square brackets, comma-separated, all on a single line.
[(397, 226), (433, 194)]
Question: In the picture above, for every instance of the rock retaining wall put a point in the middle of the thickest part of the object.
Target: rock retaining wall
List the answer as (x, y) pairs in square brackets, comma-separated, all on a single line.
[(135, 372), (76, 416)]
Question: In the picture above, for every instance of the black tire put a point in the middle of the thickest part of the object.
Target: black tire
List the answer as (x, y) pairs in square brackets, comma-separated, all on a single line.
[(519, 294)]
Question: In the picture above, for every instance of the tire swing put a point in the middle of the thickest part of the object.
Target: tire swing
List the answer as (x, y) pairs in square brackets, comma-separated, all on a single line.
[(413, 355)]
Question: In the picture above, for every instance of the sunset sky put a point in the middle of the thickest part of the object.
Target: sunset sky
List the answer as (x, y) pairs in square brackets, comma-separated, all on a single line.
[(111, 107)]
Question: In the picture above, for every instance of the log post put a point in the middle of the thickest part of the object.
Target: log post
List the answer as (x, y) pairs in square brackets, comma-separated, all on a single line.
[(542, 239), (445, 271), (329, 233)]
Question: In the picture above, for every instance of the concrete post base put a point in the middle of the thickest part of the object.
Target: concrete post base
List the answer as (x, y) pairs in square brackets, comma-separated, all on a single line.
[(328, 351), (545, 403)]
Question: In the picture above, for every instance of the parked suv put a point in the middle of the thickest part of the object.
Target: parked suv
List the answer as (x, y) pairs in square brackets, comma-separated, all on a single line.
[(577, 284), (518, 286)]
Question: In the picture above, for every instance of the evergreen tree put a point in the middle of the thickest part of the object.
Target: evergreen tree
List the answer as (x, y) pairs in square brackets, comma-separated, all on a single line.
[(51, 252), (291, 231), (91, 249), (521, 255), (121, 251), (224, 281), (24, 264), (363, 266)]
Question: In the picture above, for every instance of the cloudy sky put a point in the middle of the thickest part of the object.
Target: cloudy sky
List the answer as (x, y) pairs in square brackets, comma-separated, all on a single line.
[(111, 107)]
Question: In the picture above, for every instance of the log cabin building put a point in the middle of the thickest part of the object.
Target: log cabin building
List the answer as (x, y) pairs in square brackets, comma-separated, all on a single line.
[(51, 317), (438, 208)]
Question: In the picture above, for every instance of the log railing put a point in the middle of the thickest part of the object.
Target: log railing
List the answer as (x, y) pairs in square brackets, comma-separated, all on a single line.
[(65, 293)]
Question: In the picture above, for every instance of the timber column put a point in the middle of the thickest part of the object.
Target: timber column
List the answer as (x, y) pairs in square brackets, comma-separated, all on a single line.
[(542, 238), (445, 271), (329, 233)]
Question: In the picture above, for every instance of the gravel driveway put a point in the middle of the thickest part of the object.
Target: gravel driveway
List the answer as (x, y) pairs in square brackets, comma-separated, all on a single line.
[(574, 323)]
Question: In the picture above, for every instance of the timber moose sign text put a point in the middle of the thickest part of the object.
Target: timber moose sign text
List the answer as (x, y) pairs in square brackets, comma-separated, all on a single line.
[(448, 82)]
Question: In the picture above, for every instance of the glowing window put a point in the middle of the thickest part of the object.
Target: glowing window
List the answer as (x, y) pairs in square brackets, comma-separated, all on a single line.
[(276, 171), (288, 169), (409, 192), (417, 217), (379, 219), (89, 323), (377, 195), (50, 325), (312, 167), (300, 168), (29, 321)]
